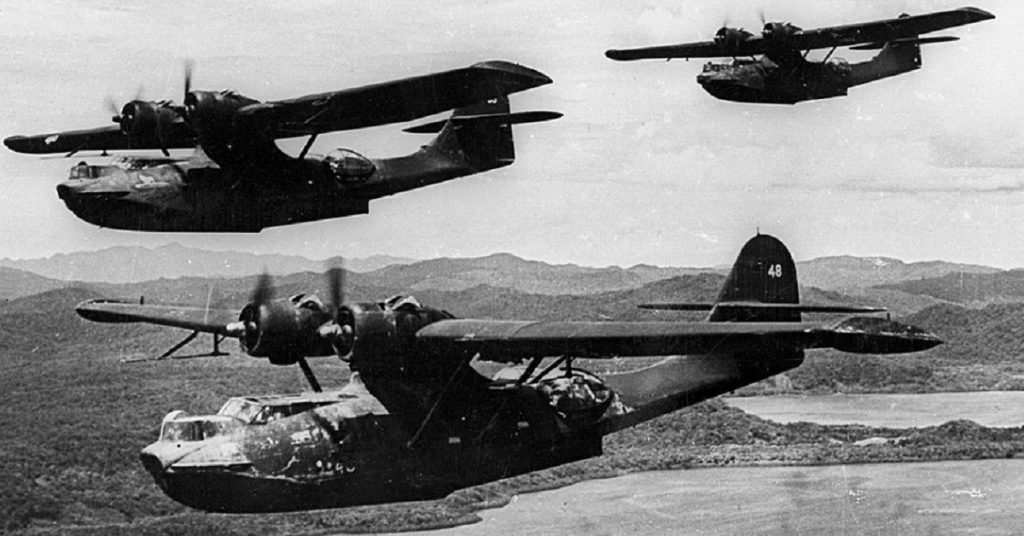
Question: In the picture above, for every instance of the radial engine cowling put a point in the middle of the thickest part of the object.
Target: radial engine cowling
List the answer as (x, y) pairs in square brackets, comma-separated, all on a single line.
[(730, 38), (285, 330), (383, 342), (146, 122), (778, 33), (213, 112)]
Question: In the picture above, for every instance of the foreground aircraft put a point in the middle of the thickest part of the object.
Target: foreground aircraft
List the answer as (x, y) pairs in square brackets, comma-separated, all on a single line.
[(238, 180), (417, 420), (782, 75)]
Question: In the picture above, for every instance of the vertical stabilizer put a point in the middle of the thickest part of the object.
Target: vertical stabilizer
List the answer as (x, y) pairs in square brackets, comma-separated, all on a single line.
[(896, 57), (764, 272), (480, 133)]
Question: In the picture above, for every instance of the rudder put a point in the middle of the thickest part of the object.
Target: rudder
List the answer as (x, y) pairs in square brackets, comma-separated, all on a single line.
[(764, 272)]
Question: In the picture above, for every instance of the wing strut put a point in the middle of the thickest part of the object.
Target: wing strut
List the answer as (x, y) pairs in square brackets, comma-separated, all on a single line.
[(309, 375), (437, 403), (169, 354), (308, 145)]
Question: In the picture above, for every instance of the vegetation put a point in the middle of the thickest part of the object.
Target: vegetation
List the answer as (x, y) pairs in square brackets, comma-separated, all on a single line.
[(74, 417)]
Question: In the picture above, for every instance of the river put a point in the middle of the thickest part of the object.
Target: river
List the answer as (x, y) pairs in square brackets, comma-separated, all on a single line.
[(936, 498), (975, 497)]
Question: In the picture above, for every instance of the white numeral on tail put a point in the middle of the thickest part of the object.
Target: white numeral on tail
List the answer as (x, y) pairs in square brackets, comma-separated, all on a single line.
[(775, 270)]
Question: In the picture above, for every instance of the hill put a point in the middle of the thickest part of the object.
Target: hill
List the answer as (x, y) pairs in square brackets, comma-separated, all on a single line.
[(847, 273), (16, 283), (126, 264), (975, 289)]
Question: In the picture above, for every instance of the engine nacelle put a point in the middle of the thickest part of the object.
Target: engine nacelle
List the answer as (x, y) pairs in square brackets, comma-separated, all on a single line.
[(730, 38), (383, 339), (146, 122), (212, 113), (285, 330), (778, 33)]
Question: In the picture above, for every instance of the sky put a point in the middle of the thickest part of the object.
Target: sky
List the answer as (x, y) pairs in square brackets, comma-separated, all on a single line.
[(644, 167)]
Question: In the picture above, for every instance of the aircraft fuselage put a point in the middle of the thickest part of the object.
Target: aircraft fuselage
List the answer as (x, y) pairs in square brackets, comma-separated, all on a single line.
[(786, 78), (198, 196), (390, 440)]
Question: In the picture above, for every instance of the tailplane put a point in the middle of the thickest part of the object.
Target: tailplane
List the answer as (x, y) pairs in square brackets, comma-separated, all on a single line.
[(481, 134), (896, 57), (761, 287)]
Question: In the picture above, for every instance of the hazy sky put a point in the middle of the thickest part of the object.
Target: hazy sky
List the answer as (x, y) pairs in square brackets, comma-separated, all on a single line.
[(645, 167)]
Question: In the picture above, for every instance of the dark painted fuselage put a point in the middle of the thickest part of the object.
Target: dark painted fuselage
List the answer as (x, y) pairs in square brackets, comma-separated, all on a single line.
[(395, 440), (789, 79), (198, 196)]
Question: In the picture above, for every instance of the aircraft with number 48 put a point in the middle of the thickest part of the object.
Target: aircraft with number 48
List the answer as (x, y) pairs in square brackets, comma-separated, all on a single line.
[(239, 180), (783, 75), (418, 418)]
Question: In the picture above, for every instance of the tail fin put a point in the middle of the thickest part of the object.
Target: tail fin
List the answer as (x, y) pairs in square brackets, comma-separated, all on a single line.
[(481, 133), (764, 272), (896, 57)]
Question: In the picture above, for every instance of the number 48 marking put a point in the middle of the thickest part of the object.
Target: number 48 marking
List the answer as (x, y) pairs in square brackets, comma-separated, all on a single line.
[(775, 270)]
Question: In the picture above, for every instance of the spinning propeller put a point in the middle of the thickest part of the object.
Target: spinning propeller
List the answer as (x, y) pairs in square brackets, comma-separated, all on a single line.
[(287, 330)]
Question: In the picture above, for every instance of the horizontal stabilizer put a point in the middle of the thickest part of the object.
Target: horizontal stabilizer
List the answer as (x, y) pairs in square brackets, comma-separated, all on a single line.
[(501, 119), (796, 307), (907, 41)]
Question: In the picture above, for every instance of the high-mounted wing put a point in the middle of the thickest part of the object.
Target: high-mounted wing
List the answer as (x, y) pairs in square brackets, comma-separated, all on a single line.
[(887, 30), (833, 36), (104, 139), (389, 102), (194, 318), (513, 341)]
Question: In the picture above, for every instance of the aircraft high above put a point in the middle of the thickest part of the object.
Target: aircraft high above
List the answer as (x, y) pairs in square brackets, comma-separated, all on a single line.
[(417, 419), (238, 180), (772, 67)]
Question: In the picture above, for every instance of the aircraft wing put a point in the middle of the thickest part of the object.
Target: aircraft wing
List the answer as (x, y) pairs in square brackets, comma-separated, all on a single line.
[(390, 102), (701, 49), (887, 30), (832, 36), (514, 341), (98, 139), (193, 318)]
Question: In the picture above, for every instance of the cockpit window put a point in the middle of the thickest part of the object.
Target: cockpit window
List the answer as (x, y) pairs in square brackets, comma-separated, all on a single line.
[(348, 166), (196, 430), (82, 170), (240, 408)]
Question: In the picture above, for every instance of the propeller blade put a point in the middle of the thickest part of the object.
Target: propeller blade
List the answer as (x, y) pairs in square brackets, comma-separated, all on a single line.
[(190, 66), (111, 105), (264, 291), (336, 282)]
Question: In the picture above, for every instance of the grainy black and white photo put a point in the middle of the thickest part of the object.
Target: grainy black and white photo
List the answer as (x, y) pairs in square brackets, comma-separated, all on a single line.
[(530, 267)]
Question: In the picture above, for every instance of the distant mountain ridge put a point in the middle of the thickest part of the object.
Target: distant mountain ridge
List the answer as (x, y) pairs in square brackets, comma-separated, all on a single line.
[(866, 277), (845, 273), (132, 264)]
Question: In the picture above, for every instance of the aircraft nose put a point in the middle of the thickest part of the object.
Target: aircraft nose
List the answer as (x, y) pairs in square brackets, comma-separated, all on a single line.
[(64, 190)]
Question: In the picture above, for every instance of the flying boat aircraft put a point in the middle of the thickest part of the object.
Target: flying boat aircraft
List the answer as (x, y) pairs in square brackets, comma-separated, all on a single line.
[(417, 420), (239, 180), (782, 74)]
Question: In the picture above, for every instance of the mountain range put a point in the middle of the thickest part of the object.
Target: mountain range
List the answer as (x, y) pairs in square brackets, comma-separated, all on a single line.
[(849, 275)]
